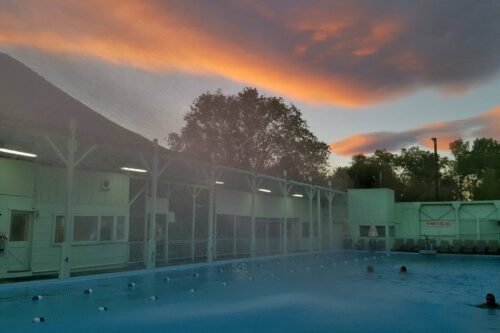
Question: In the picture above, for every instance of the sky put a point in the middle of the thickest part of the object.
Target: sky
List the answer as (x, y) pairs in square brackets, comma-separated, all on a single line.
[(367, 74)]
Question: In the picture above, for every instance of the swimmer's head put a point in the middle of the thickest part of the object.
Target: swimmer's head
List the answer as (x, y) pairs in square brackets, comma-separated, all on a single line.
[(369, 269), (490, 299), (403, 269)]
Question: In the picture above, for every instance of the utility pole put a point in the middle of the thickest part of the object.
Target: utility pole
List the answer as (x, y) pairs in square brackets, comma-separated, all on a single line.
[(436, 169), (380, 173)]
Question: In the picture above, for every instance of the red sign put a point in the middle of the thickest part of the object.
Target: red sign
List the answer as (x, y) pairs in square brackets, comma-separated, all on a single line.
[(438, 223)]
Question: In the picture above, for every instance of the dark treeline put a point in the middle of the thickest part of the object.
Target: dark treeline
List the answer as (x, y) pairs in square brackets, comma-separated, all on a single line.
[(472, 173)]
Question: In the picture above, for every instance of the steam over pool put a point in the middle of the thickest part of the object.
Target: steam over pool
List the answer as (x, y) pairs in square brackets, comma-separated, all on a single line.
[(300, 293)]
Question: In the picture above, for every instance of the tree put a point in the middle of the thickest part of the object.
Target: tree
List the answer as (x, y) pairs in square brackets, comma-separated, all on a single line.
[(378, 170), (473, 173), (248, 128), (476, 168), (417, 173), (410, 174), (341, 180), (363, 172)]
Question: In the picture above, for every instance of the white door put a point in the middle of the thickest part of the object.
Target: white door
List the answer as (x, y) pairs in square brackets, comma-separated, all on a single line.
[(19, 247)]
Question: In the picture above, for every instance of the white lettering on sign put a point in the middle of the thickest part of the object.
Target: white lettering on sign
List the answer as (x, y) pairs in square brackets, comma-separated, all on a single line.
[(438, 223)]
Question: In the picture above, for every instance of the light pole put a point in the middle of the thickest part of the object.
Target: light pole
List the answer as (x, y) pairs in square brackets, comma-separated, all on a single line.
[(380, 173), (436, 169)]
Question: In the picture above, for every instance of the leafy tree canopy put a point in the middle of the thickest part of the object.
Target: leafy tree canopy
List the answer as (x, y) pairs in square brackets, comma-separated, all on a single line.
[(410, 174), (377, 170), (249, 128), (476, 169), (472, 173)]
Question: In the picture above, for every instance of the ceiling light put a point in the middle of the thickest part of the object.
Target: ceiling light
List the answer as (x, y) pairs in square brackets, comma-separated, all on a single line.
[(16, 152), (134, 169), (218, 182), (265, 190), (297, 195)]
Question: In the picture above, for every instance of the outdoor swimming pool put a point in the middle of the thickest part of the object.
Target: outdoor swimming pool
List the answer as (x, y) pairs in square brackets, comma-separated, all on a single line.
[(323, 292)]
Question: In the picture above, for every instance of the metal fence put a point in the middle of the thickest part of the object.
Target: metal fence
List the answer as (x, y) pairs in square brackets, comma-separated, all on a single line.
[(187, 250), (136, 252), (471, 243)]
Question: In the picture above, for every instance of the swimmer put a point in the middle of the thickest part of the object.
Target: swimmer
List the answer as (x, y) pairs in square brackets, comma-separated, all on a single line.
[(369, 269), (403, 269), (490, 302)]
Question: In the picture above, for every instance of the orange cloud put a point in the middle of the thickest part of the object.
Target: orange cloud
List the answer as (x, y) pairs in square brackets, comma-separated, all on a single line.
[(321, 52), (486, 124), (165, 41), (443, 142), (321, 31), (384, 32), (381, 34), (354, 144), (364, 51)]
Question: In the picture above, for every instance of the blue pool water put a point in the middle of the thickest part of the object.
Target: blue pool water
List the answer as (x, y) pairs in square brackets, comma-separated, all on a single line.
[(327, 292)]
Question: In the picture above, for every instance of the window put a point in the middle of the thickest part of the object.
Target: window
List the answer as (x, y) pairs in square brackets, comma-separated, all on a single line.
[(106, 228), (85, 228), (275, 227), (392, 231), (381, 230), (243, 226), (260, 227), (59, 230), (305, 230), (225, 224), (120, 228), (92, 228), (364, 230), (19, 227)]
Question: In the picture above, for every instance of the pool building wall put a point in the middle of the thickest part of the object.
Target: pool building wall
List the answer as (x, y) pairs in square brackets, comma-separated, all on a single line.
[(444, 221), (32, 212), (112, 219)]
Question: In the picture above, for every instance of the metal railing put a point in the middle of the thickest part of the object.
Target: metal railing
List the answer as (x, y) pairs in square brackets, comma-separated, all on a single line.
[(484, 243), (136, 252), (187, 250)]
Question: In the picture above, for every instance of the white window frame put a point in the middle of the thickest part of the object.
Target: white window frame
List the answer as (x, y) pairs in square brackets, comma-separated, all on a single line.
[(114, 229)]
